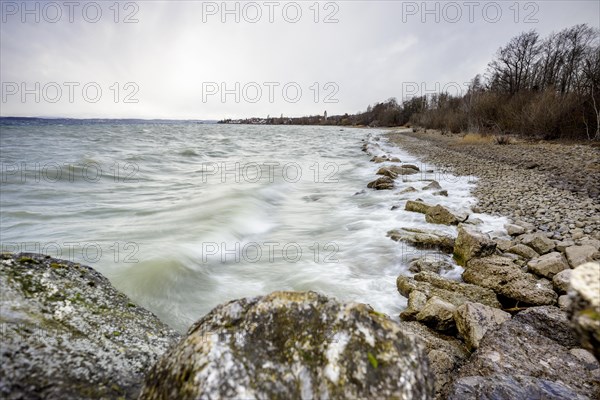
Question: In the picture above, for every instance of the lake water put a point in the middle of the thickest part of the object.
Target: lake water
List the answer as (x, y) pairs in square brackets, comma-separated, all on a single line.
[(183, 216)]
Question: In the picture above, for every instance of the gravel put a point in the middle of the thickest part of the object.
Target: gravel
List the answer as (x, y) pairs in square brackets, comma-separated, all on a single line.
[(554, 186)]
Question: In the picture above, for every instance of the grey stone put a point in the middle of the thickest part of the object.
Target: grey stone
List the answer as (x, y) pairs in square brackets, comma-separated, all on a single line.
[(417, 206), (523, 251), (423, 239), (434, 185), (514, 230), (548, 265), (471, 243), (577, 255), (437, 314), (440, 215), (473, 320), (383, 183), (584, 309), (506, 278), (539, 242), (561, 281)]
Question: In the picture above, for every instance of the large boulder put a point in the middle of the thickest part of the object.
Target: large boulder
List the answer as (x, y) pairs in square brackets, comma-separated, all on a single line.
[(383, 183), (445, 354), (584, 307), (471, 243), (440, 215), (423, 239), (519, 361), (504, 277), (473, 320), (548, 265), (67, 333), (292, 345), (577, 255), (433, 185)]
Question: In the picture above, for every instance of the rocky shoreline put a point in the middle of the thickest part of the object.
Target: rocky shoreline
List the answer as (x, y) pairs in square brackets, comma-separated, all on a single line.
[(523, 322), (515, 309)]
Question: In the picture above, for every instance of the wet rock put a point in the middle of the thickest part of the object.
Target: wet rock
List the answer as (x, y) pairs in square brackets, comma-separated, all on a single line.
[(577, 255), (431, 263), (456, 293), (473, 320), (423, 239), (548, 265), (409, 189), (517, 361), (508, 280), (411, 166), (505, 244), (437, 314), (379, 159), (445, 354), (253, 348), (514, 230), (584, 308), (383, 183), (471, 243), (537, 241), (561, 281), (67, 333), (441, 193), (393, 171), (440, 215), (523, 251), (433, 185), (417, 206)]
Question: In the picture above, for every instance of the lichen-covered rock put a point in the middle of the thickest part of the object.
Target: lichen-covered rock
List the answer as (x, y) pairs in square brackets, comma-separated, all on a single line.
[(471, 243), (417, 206), (69, 334), (292, 345), (473, 320), (423, 239), (445, 354), (577, 255), (456, 293), (517, 361), (440, 215), (383, 183), (584, 307), (507, 279), (548, 265)]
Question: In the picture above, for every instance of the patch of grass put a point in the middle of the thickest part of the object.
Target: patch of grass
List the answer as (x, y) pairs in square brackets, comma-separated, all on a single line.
[(373, 360), (476, 138)]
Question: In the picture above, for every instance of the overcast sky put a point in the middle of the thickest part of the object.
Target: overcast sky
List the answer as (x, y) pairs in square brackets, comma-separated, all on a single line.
[(192, 59)]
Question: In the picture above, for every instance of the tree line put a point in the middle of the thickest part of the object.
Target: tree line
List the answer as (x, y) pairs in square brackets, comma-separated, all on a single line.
[(542, 87)]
